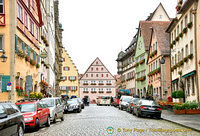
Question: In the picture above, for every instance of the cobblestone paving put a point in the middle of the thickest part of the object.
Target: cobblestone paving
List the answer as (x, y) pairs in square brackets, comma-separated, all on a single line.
[(94, 121)]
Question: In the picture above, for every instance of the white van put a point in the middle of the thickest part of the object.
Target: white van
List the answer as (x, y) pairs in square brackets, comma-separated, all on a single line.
[(103, 100)]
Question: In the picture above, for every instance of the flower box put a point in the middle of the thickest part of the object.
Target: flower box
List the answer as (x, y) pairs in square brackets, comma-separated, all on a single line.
[(174, 42), (178, 7), (177, 38), (27, 58), (190, 56), (185, 59), (189, 25), (179, 112), (42, 37), (142, 61), (194, 111), (185, 30), (181, 34)]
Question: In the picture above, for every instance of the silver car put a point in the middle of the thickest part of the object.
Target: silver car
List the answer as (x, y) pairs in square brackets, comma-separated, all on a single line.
[(56, 108)]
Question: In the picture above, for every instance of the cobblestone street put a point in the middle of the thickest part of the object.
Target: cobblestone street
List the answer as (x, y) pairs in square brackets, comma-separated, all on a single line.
[(94, 121)]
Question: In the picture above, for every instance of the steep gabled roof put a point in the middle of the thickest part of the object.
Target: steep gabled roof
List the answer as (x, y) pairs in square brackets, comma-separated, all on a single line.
[(152, 14), (162, 37)]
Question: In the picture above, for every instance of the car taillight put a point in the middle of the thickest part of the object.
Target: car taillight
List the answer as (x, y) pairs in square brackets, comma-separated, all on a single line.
[(159, 109), (142, 107), (132, 104)]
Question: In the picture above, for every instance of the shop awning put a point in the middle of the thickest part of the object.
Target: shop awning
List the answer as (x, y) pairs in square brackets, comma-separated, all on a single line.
[(189, 74)]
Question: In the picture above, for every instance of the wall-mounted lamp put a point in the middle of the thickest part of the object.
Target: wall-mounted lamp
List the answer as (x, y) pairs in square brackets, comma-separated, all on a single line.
[(3, 57)]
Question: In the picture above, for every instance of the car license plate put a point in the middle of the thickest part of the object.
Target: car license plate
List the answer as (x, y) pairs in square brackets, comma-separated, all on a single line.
[(70, 109), (151, 108)]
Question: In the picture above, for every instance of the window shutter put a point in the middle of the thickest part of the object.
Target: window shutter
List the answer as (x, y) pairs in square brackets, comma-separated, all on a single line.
[(69, 88), (38, 59), (23, 47), (34, 56), (75, 77), (64, 68), (68, 68), (28, 50), (16, 42), (5, 80), (69, 77), (66, 78)]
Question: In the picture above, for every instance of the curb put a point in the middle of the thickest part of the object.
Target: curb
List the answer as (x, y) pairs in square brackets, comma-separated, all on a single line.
[(182, 124)]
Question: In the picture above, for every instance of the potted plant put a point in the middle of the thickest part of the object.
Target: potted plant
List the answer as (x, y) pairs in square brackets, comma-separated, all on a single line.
[(177, 38), (192, 108), (179, 109)]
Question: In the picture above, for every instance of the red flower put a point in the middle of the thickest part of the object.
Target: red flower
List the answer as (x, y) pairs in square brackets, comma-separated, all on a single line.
[(17, 87), (26, 95), (21, 88)]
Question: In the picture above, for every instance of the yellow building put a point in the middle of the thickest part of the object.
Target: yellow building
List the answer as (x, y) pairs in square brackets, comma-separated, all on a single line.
[(69, 84), (19, 38)]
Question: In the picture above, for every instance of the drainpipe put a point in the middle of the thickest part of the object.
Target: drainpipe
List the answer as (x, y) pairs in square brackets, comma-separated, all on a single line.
[(13, 23), (195, 37)]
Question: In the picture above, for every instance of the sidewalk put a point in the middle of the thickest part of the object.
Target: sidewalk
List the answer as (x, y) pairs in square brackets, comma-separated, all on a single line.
[(190, 121)]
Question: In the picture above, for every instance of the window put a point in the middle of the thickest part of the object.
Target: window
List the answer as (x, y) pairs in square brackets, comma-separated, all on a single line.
[(91, 75), (159, 63), (93, 81), (85, 82), (100, 82), (31, 26), (0, 83), (191, 47), (182, 53), (97, 69), (29, 4), (33, 4), (172, 63), (186, 21), (181, 25), (153, 65), (101, 69), (37, 33), (188, 86), (97, 62), (156, 64), (9, 109), (86, 75), (140, 45), (149, 68), (91, 69), (191, 16), (156, 45), (175, 34), (66, 68), (19, 12), (186, 50), (172, 37), (160, 16), (153, 47), (1, 6), (179, 56), (73, 88), (106, 75), (108, 82), (101, 75), (25, 19), (97, 75), (193, 88), (175, 58), (178, 30), (1, 42), (72, 78)]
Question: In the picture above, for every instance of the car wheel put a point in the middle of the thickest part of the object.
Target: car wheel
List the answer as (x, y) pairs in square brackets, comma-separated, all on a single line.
[(54, 120), (20, 131), (37, 124), (137, 114), (48, 122), (62, 118)]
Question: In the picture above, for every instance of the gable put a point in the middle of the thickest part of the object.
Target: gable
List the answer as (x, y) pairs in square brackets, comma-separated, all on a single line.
[(140, 45), (159, 14), (68, 61), (97, 69)]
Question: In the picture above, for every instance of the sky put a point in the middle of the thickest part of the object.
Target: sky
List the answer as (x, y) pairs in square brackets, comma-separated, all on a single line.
[(102, 28)]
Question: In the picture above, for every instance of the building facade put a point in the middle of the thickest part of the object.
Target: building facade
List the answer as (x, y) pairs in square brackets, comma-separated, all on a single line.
[(97, 81), (183, 51), (69, 84), (197, 21), (126, 68), (159, 78), (20, 41)]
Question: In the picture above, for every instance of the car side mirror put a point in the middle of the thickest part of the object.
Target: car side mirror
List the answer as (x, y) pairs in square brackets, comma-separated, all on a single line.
[(39, 109), (3, 116)]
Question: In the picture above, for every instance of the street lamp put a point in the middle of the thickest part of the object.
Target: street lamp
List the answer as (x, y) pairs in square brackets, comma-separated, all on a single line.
[(3, 57)]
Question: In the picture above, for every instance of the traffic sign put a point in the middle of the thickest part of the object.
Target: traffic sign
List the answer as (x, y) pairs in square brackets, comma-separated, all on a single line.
[(9, 83)]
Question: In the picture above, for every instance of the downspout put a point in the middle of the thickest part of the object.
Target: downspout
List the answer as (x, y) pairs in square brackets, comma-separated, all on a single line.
[(195, 36)]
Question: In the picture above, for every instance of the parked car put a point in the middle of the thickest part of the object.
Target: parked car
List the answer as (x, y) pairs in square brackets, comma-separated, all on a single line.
[(72, 105), (131, 104), (103, 100), (81, 102), (35, 113), (56, 108), (11, 120), (124, 102), (147, 108)]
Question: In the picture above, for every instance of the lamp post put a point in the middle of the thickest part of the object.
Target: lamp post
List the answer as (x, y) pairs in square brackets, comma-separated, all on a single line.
[(3, 57)]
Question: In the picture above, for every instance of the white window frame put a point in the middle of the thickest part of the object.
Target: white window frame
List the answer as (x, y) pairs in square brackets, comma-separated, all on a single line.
[(19, 12)]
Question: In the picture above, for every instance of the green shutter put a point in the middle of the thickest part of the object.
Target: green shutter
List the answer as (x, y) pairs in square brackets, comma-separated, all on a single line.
[(34, 56), (28, 50), (23, 47), (38, 59), (5, 80), (16, 42)]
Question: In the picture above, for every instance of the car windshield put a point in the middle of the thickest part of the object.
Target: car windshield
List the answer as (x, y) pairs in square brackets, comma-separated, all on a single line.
[(105, 97), (49, 102), (72, 101), (127, 99), (150, 103), (27, 107)]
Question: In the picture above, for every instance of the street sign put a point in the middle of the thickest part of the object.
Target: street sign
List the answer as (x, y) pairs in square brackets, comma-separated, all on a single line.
[(9, 83), (9, 88), (43, 55)]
